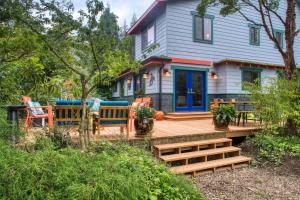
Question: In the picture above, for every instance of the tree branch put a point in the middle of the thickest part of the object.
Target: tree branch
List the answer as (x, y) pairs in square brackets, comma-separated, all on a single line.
[(91, 89), (14, 59), (274, 12), (249, 3), (248, 19), (297, 32), (267, 29)]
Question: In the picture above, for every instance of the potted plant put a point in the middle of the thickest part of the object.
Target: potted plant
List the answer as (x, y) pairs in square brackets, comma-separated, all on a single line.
[(222, 116), (143, 122)]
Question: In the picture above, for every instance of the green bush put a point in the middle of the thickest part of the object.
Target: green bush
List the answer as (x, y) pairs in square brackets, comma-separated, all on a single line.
[(7, 131), (273, 147), (106, 171), (278, 104)]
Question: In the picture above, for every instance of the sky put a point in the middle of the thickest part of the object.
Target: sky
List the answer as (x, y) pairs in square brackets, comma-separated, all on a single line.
[(124, 9)]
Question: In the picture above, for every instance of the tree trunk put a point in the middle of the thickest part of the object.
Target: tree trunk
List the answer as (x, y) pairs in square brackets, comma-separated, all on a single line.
[(83, 133), (290, 29)]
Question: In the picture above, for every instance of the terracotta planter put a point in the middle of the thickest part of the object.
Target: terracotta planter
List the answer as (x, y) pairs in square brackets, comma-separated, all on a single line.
[(221, 125), (143, 126)]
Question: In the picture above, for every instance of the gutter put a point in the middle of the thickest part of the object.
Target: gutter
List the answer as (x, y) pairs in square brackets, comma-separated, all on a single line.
[(160, 86)]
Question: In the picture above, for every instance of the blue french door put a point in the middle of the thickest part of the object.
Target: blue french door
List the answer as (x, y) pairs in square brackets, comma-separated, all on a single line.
[(190, 90)]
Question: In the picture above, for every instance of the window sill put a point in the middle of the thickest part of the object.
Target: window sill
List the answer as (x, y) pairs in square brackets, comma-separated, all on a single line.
[(203, 41), (148, 47)]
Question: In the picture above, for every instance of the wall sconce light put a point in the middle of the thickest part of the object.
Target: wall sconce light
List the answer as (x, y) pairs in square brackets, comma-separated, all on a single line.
[(146, 75), (213, 75), (166, 71)]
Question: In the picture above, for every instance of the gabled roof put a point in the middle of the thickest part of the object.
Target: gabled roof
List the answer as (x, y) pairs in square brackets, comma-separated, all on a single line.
[(155, 9)]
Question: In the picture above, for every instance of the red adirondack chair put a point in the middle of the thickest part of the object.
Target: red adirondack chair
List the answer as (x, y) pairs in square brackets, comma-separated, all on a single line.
[(30, 115)]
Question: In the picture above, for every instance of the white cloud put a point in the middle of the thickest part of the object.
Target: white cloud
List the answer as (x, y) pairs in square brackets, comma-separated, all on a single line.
[(124, 9)]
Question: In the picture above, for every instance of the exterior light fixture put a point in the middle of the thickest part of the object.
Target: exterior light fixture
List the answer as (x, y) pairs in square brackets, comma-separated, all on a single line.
[(146, 75), (166, 72), (213, 76)]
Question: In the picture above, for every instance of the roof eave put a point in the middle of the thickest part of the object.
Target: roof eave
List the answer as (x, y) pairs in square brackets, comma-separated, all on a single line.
[(148, 15)]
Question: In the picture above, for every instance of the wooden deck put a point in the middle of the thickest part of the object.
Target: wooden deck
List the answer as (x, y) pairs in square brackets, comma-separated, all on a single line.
[(180, 131)]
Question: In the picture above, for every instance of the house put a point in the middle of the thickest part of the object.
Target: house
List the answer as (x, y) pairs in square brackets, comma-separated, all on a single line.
[(193, 60)]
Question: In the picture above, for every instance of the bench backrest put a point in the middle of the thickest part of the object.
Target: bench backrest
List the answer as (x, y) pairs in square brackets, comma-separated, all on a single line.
[(114, 113), (68, 115)]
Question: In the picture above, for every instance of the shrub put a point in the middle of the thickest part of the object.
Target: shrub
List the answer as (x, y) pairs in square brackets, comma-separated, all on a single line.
[(7, 131), (278, 104), (273, 147), (106, 171)]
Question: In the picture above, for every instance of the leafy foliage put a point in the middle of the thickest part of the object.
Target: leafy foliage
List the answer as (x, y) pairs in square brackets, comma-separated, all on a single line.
[(273, 146), (277, 103), (224, 113), (7, 131), (106, 171), (144, 113)]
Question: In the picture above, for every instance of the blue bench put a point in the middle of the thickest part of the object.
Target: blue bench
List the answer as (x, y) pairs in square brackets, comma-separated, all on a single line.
[(112, 114)]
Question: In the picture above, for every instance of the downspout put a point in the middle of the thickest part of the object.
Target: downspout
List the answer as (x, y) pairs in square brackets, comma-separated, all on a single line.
[(160, 86)]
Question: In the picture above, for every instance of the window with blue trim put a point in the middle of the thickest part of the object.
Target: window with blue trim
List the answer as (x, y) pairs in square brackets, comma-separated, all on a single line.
[(279, 37), (148, 36), (250, 76), (203, 28), (139, 86), (122, 89), (115, 87), (254, 34)]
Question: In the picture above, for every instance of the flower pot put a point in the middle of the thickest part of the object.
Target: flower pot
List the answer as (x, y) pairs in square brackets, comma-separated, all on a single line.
[(143, 126), (221, 125)]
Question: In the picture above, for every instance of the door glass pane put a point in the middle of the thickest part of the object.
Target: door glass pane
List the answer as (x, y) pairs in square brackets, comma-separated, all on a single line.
[(181, 89), (197, 89)]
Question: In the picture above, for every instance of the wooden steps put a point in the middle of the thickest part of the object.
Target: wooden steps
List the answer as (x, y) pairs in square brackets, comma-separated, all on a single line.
[(182, 116), (212, 166), (201, 157), (200, 154)]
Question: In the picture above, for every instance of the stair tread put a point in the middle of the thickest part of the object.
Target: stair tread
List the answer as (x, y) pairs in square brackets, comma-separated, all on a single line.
[(209, 164), (193, 143), (195, 154)]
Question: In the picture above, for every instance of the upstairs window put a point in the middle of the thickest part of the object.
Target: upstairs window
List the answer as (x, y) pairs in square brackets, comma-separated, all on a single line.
[(203, 28), (250, 75), (254, 32), (148, 37), (279, 37)]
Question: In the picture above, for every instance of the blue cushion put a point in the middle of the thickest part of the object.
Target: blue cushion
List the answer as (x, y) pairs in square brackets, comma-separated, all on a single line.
[(35, 111), (68, 102), (114, 103), (75, 102), (113, 122)]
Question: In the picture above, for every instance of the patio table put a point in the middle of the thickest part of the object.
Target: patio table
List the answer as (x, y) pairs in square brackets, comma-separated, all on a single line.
[(244, 112)]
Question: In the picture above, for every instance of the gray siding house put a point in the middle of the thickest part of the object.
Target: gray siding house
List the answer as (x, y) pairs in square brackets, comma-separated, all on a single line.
[(193, 60)]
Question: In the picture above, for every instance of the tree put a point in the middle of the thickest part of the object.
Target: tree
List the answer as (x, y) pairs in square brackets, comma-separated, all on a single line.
[(268, 10), (87, 46)]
